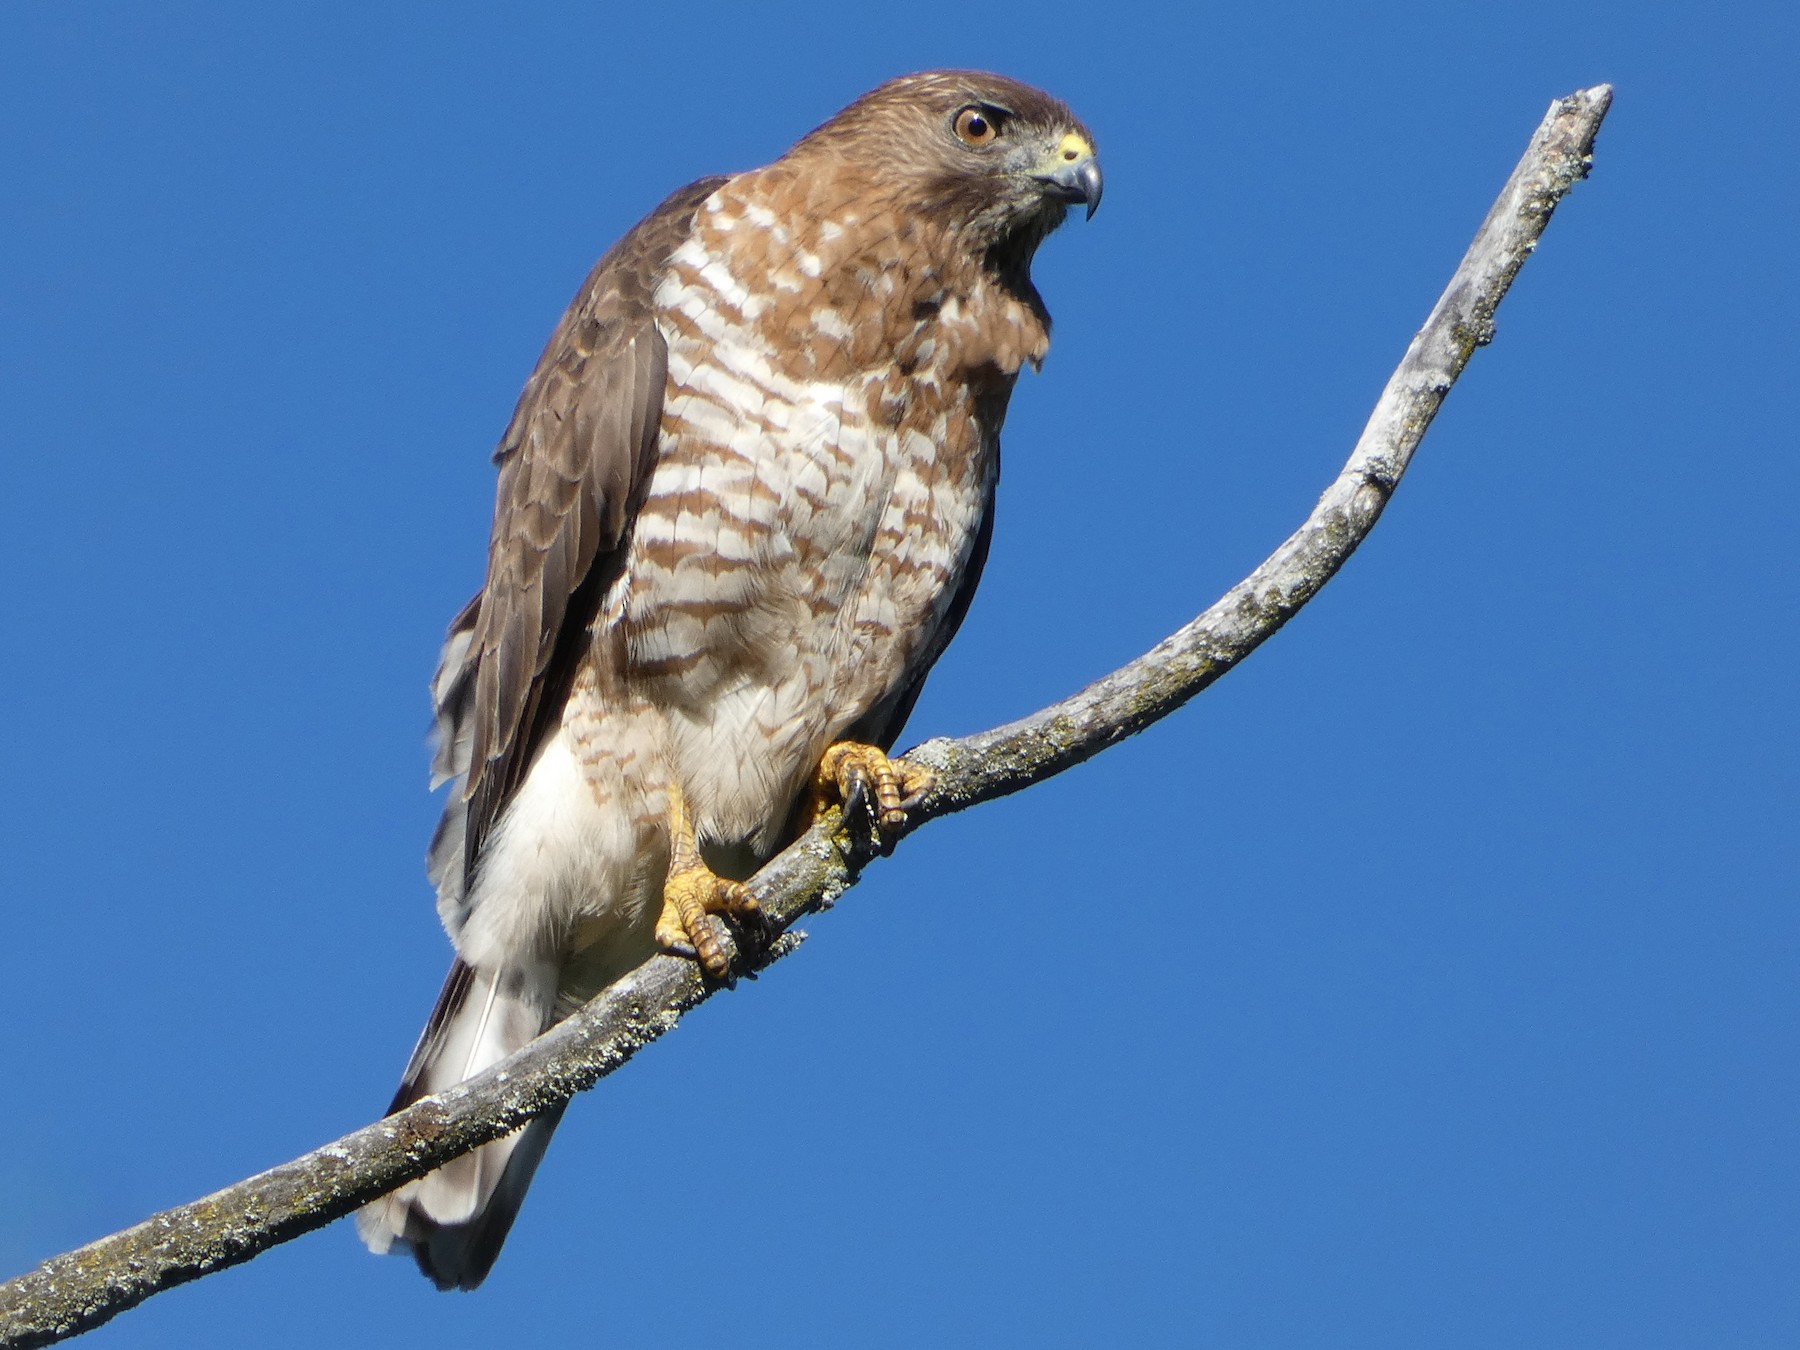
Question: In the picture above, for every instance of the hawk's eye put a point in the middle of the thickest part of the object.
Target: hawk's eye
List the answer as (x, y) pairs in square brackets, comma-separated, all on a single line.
[(976, 126)]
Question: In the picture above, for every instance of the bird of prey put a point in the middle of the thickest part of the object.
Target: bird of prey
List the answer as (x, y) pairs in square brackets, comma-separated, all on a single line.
[(744, 501)]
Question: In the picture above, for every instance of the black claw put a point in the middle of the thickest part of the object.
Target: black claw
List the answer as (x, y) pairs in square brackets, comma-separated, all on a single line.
[(757, 926), (886, 837), (857, 798)]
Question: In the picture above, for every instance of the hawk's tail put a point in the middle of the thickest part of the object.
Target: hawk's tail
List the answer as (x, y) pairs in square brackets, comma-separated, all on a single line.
[(455, 1219)]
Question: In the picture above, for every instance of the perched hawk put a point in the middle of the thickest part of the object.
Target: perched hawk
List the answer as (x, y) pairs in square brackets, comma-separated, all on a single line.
[(744, 501)]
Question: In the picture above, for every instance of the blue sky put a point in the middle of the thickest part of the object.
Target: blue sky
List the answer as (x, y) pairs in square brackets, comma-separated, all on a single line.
[(1429, 982)]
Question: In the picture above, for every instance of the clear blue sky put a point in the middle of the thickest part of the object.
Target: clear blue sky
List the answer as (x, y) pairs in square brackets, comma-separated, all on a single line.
[(1430, 982)]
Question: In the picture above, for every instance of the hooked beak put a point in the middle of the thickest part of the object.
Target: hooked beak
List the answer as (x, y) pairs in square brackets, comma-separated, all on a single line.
[(1073, 173)]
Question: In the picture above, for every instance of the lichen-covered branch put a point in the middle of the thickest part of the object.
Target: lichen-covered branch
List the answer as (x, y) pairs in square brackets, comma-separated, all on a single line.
[(79, 1290)]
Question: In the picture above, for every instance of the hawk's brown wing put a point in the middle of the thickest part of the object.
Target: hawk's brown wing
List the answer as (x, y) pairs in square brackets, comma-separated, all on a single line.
[(573, 463)]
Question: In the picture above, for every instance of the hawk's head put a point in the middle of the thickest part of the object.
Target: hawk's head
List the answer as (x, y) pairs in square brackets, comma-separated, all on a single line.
[(991, 157)]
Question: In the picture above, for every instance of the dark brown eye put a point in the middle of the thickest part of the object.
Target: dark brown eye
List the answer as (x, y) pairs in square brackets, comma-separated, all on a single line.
[(975, 127)]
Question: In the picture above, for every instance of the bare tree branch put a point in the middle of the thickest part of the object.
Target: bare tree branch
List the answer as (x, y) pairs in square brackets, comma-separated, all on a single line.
[(80, 1290)]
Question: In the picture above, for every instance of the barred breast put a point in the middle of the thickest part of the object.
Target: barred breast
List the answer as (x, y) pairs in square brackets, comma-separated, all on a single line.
[(820, 483)]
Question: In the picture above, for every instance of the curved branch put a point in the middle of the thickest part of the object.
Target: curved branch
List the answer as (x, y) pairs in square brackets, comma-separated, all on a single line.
[(82, 1289)]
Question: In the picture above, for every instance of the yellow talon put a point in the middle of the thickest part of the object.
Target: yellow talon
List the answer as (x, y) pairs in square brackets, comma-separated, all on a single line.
[(683, 927), (855, 775), (692, 892)]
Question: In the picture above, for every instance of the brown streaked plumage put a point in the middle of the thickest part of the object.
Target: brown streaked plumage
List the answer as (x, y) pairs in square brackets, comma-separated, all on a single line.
[(744, 501)]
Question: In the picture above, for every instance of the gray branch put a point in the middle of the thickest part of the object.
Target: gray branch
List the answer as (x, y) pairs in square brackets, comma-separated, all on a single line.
[(81, 1289)]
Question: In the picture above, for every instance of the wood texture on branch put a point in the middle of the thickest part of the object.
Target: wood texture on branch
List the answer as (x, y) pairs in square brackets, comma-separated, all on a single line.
[(81, 1289)]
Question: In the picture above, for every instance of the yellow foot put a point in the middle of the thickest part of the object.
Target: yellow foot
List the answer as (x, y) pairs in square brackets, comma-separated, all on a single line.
[(860, 776), (689, 896)]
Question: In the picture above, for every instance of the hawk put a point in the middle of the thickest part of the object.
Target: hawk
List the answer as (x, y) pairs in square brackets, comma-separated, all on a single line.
[(744, 501)]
